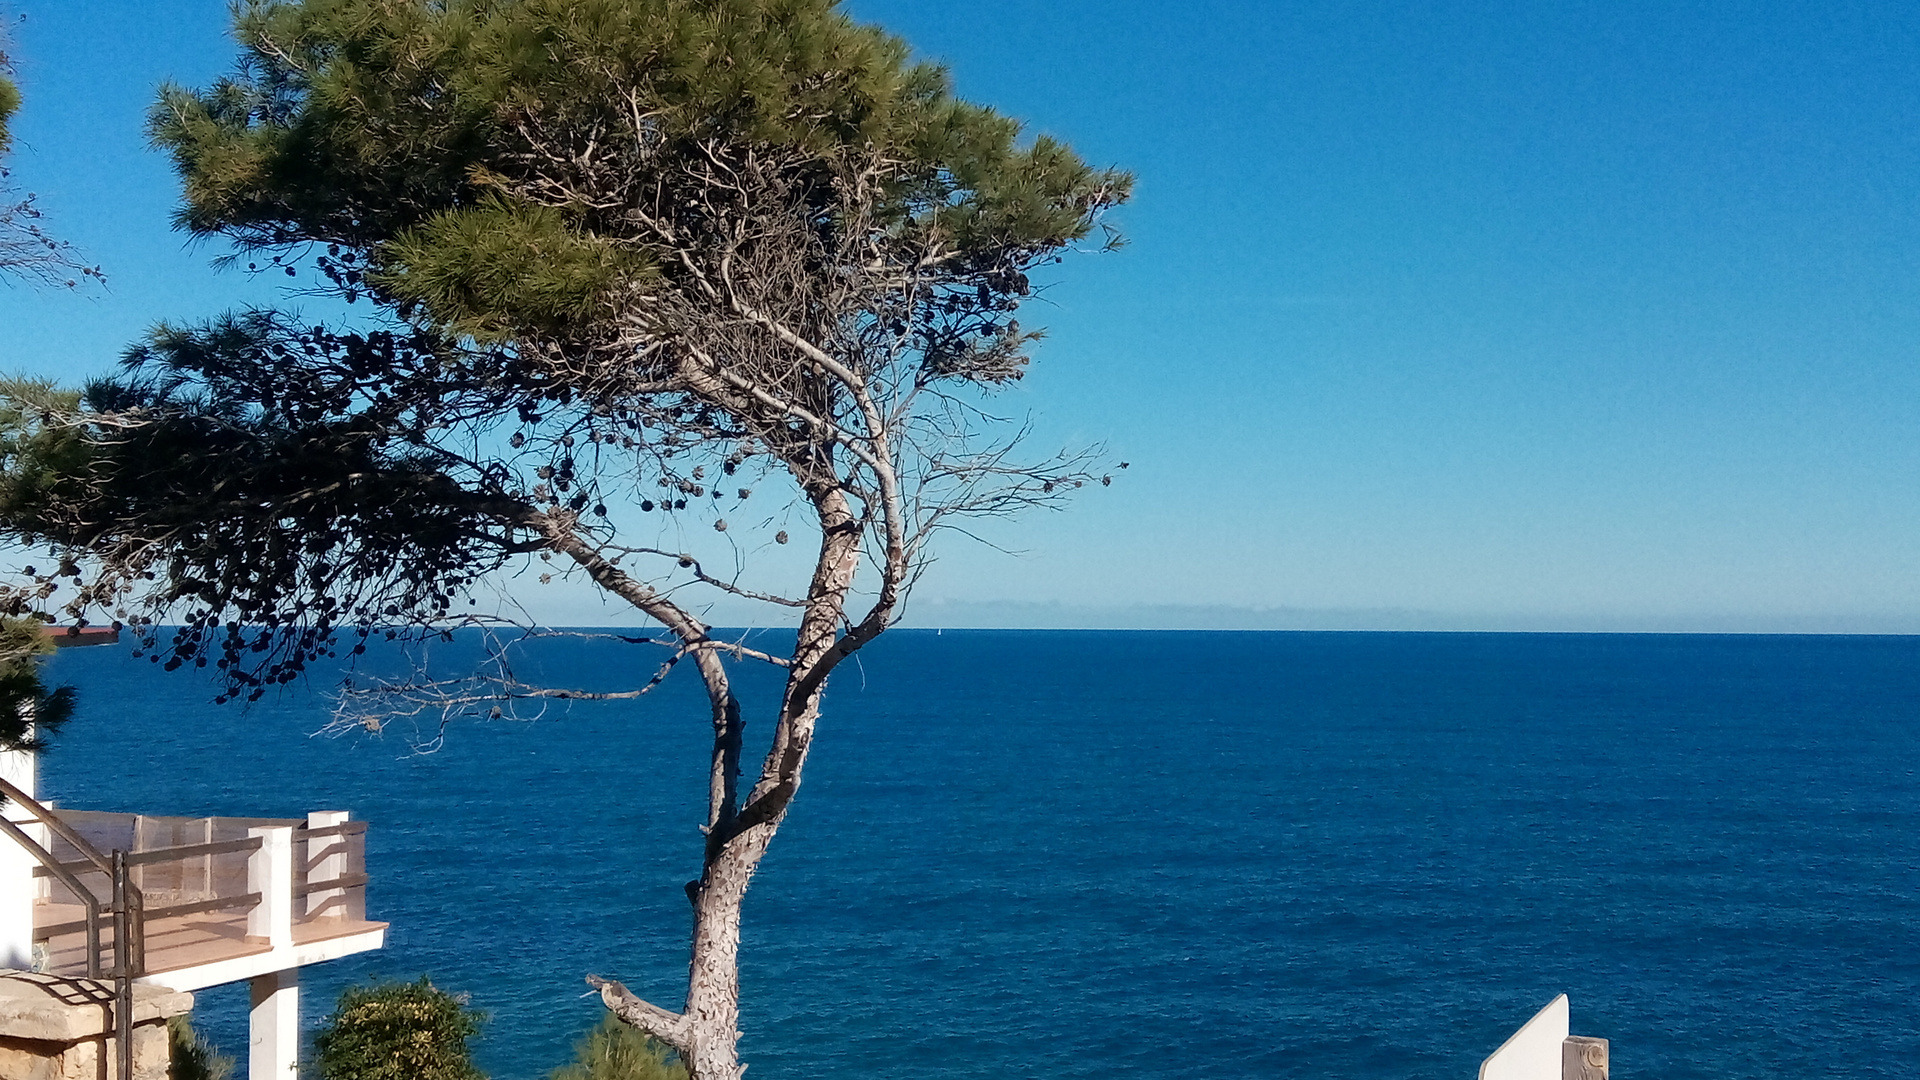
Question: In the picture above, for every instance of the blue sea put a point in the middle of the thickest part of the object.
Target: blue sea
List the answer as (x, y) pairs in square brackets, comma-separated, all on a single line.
[(1151, 855)]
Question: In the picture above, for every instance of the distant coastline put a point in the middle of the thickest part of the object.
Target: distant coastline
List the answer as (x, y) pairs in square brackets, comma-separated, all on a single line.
[(1014, 615), (937, 614)]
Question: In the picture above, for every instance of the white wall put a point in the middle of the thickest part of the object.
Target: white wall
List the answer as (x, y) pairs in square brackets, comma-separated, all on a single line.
[(16, 869)]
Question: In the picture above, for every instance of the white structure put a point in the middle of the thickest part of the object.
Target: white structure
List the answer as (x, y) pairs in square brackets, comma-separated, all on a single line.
[(1533, 1053), (225, 900), (17, 887), (1543, 1050)]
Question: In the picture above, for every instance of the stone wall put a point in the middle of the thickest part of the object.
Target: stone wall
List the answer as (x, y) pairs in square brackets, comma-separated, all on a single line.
[(62, 1029)]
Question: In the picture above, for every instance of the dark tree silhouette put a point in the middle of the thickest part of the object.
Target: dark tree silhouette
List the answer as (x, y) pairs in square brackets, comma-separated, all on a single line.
[(630, 263)]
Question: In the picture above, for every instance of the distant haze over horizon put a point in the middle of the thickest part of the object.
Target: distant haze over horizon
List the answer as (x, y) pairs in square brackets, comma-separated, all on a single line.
[(1434, 316), (1029, 615), (1017, 616)]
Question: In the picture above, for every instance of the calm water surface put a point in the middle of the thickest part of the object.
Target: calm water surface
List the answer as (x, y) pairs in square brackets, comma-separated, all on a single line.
[(1068, 854)]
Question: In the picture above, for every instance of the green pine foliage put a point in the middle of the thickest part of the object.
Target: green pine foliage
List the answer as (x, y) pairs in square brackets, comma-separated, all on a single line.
[(619, 1051), (191, 1056), (33, 457), (503, 264), (29, 454), (37, 455), (417, 133), (9, 104), (29, 712), (398, 1031)]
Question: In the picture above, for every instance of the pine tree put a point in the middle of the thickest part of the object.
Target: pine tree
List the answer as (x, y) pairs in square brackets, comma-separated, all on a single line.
[(30, 712), (629, 262), (615, 1051)]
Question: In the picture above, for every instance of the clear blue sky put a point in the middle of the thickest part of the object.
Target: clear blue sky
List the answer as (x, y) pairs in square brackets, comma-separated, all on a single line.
[(1482, 315)]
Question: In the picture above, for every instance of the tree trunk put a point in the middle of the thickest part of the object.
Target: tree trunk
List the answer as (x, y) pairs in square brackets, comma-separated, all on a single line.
[(707, 1032), (713, 977)]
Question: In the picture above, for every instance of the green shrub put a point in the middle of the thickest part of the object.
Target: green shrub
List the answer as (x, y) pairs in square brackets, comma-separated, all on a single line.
[(618, 1051), (190, 1057), (399, 1031)]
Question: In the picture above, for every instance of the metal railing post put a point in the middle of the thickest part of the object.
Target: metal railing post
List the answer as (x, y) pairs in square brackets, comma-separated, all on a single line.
[(125, 927), (93, 932)]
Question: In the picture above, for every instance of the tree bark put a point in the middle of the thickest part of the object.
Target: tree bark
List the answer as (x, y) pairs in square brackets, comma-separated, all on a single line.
[(713, 979), (706, 1032)]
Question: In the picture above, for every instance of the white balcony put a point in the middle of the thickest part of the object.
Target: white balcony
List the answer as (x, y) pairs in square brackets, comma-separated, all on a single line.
[(223, 899), (182, 903)]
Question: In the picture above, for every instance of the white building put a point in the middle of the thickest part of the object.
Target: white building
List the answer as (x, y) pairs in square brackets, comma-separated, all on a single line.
[(209, 901)]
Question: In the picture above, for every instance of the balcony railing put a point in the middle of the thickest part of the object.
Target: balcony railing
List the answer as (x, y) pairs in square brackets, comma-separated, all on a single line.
[(130, 896), (192, 866), (183, 902)]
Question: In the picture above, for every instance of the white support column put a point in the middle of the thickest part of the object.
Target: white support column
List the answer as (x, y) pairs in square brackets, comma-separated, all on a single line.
[(17, 884), (326, 861), (273, 1026), (273, 1040), (270, 873)]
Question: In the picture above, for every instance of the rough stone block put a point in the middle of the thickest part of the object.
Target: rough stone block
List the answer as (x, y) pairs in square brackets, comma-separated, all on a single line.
[(60, 1029)]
